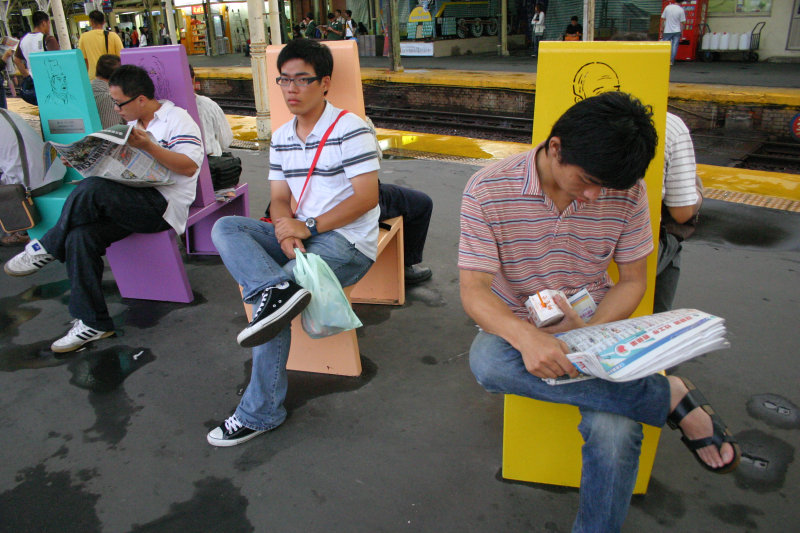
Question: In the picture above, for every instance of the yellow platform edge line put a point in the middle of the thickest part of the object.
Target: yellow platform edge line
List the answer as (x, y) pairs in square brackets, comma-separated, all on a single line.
[(526, 81)]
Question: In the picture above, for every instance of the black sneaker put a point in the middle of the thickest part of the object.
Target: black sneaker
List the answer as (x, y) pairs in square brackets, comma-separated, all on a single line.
[(417, 274), (231, 432), (278, 306)]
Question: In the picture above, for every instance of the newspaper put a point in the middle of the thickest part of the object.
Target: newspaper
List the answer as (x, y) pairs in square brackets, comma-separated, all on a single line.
[(106, 154), (638, 347)]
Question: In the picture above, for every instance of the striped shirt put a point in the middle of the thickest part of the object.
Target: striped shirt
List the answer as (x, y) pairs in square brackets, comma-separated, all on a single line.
[(350, 151), (175, 130), (105, 105), (681, 185), (511, 229)]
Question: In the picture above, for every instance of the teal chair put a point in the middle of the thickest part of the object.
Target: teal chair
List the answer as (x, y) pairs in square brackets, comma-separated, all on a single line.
[(68, 113)]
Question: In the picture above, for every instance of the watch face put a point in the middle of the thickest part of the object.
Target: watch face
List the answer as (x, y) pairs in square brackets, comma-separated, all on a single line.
[(310, 222)]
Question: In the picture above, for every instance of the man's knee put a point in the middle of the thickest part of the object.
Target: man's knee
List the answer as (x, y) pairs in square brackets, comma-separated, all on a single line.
[(615, 437), (224, 227), (85, 240), (483, 362)]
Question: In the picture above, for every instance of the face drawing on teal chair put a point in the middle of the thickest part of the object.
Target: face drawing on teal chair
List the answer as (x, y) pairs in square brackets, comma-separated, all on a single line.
[(59, 86), (593, 79)]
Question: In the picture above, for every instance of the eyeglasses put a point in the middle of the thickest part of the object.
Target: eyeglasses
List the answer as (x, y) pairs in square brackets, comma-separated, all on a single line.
[(283, 81), (124, 103)]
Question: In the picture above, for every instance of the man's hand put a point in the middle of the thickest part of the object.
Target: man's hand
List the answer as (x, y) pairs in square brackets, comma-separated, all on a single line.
[(287, 227), (545, 356), (139, 139), (570, 321), (288, 246)]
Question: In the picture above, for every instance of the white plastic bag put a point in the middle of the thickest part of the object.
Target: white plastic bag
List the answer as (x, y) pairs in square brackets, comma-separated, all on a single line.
[(329, 312)]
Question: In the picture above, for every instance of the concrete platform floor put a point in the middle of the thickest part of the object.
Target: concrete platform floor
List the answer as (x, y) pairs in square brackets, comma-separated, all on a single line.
[(112, 438)]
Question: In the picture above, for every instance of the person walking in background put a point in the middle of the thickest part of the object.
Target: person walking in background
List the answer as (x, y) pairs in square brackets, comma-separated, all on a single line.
[(142, 37), (97, 42), (134, 38), (537, 28), (673, 20), (163, 33), (350, 29), (38, 40)]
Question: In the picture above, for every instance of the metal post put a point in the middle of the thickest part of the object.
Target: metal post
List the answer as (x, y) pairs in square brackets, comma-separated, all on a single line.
[(274, 22), (394, 36), (504, 28), (61, 25), (170, 16), (210, 32), (258, 62), (588, 20)]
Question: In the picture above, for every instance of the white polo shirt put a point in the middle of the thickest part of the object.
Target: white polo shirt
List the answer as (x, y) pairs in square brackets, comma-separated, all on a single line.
[(176, 131), (349, 152)]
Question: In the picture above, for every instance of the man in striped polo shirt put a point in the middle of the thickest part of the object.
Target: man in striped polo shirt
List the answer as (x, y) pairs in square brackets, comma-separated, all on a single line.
[(336, 217), (100, 212), (554, 218)]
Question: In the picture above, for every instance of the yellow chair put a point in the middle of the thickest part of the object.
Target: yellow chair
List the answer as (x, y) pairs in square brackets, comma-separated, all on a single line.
[(541, 442)]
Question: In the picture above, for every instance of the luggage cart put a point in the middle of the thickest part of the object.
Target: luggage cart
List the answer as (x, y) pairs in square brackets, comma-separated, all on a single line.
[(746, 55)]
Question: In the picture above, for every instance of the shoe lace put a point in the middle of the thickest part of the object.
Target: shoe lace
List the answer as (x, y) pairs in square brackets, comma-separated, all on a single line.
[(232, 424), (77, 326), (262, 303)]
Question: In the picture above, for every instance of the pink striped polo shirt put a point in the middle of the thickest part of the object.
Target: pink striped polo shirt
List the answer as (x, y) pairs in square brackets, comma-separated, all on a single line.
[(509, 228)]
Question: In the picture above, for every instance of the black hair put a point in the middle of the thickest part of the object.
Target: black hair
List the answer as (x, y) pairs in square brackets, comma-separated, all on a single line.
[(349, 13), (312, 52), (133, 81), (575, 18), (310, 15), (39, 17), (106, 65), (611, 136), (331, 16), (97, 17)]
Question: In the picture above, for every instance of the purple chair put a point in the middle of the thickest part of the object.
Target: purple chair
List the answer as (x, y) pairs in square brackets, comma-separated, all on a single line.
[(149, 266)]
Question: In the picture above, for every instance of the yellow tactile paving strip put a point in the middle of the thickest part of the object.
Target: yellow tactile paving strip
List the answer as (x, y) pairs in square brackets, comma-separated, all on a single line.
[(526, 81), (752, 187)]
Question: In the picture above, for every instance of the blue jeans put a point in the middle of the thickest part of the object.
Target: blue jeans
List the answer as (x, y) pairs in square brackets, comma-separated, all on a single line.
[(254, 258), (674, 39), (612, 414)]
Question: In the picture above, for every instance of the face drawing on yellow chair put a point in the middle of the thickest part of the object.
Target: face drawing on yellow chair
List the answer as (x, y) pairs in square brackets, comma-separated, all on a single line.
[(593, 79), (58, 84)]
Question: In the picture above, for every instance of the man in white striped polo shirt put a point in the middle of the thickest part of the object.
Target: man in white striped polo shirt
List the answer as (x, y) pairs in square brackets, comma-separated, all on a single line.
[(683, 196), (554, 218), (336, 218)]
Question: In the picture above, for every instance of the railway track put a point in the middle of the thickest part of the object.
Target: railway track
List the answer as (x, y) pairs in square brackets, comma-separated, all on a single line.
[(774, 157), (425, 121)]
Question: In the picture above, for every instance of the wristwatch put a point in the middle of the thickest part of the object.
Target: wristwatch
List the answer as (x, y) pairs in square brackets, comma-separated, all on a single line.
[(311, 224)]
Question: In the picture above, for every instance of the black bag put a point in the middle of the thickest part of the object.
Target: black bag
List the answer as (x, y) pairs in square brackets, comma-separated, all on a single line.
[(17, 210), (27, 91), (225, 170)]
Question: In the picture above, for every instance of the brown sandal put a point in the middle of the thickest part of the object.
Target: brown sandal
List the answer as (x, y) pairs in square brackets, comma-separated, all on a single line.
[(692, 400), (17, 238)]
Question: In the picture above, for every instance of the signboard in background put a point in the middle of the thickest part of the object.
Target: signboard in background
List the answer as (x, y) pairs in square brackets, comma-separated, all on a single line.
[(416, 49)]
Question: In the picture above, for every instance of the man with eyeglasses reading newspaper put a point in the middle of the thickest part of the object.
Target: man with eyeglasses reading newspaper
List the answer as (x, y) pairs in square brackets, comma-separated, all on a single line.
[(336, 218)]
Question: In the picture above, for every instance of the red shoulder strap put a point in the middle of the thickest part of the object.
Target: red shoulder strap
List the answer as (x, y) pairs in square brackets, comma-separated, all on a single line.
[(316, 158)]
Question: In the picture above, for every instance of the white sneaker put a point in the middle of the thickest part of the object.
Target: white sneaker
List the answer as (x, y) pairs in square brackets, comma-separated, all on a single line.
[(78, 335), (28, 261)]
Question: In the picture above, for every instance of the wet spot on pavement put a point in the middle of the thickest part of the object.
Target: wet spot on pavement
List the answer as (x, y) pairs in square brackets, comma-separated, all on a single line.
[(69, 506), (216, 505), (775, 410), (105, 370), (662, 504), (428, 360), (145, 314), (737, 515), (428, 296), (765, 460), (29, 356)]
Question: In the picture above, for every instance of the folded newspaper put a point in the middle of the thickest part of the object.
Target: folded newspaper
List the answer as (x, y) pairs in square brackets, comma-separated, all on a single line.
[(638, 347), (106, 154)]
